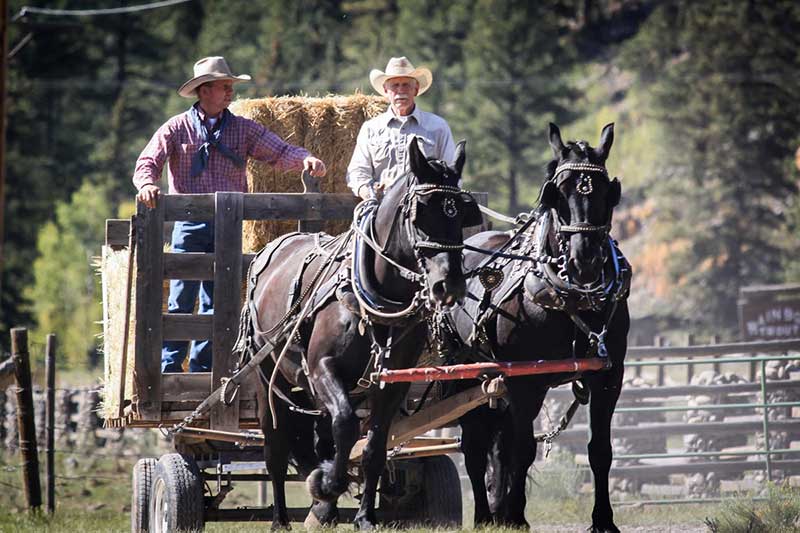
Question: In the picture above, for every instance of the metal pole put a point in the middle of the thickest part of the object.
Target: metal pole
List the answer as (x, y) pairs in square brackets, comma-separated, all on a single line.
[(765, 420), (690, 366), (659, 341), (50, 377), (26, 419)]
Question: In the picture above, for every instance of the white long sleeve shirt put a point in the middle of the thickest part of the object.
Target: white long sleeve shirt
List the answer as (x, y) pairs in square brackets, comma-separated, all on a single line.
[(381, 153)]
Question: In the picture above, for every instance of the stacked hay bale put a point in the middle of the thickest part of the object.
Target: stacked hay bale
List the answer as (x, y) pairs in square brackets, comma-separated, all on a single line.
[(327, 127)]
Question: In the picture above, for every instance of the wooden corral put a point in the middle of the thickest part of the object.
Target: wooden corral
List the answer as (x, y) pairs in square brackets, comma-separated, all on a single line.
[(704, 419)]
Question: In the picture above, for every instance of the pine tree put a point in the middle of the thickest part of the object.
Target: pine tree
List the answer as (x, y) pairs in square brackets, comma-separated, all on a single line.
[(722, 81), (516, 81)]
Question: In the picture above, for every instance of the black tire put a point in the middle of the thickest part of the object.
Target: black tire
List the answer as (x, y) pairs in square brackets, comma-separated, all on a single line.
[(176, 499), (421, 492), (141, 484), (441, 492)]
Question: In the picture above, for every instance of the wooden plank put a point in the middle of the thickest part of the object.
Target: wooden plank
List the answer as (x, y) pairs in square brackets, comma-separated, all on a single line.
[(186, 326), (404, 429), (149, 293), (117, 230), (733, 348), (227, 299), (298, 206), (194, 387), (639, 471), (189, 266), (196, 265), (262, 206)]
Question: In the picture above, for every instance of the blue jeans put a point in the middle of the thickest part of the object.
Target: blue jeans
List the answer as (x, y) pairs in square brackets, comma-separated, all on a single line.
[(190, 237)]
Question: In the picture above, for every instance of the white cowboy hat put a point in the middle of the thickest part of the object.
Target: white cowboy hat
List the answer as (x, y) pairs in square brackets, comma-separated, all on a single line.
[(209, 69), (400, 67)]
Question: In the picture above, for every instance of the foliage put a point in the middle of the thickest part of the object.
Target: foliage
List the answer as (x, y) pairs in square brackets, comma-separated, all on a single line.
[(701, 92), (65, 295), (780, 513), (730, 119)]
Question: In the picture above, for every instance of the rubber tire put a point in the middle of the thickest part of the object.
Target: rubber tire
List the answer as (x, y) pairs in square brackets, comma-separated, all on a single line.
[(176, 502), (441, 492), (142, 482)]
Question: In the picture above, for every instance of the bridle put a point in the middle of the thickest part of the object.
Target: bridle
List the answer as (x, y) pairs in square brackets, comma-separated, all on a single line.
[(364, 228)]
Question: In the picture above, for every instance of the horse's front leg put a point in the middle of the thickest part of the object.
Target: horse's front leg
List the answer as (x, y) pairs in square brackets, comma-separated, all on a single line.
[(476, 439), (526, 401), (605, 389), (385, 404)]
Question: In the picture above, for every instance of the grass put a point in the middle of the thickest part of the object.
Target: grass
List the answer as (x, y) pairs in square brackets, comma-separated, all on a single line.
[(93, 494)]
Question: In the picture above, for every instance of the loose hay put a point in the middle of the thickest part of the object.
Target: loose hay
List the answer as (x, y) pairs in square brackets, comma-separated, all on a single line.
[(327, 127)]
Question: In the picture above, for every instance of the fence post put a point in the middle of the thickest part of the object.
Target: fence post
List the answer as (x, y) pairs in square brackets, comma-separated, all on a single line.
[(716, 366), (25, 418), (658, 340), (690, 366), (765, 419), (50, 418)]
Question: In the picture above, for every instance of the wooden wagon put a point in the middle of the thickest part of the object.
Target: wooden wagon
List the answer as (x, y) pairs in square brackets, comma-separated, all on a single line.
[(220, 447)]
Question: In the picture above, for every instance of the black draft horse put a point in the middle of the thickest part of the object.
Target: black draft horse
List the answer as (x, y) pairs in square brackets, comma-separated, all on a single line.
[(365, 313), (560, 292)]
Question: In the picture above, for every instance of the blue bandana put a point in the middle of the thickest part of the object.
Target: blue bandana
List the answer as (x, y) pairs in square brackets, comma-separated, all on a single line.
[(210, 140)]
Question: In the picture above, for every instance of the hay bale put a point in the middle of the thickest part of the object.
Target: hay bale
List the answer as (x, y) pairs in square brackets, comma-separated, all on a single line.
[(114, 274), (327, 127)]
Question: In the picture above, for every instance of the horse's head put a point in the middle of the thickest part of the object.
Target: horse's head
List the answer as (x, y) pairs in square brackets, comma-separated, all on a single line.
[(582, 197), (434, 211)]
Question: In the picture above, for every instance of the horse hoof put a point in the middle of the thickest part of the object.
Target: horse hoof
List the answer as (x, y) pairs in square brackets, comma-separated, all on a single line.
[(278, 526), (312, 523), (364, 525)]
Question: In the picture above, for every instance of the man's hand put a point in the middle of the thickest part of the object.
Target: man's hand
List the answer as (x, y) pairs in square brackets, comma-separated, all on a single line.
[(368, 191), (148, 195), (315, 166)]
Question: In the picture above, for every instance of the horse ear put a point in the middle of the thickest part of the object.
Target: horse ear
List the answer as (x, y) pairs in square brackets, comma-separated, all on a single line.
[(419, 163), (549, 195), (461, 156), (614, 193), (555, 141), (606, 140)]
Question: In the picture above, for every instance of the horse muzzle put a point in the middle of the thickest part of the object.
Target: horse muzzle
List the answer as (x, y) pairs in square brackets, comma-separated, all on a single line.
[(448, 291)]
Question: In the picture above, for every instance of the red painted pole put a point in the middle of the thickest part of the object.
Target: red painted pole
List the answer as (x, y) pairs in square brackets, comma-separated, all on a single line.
[(508, 369)]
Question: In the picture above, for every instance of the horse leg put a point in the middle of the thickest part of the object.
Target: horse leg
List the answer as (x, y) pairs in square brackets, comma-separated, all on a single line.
[(276, 457), (327, 482), (322, 514), (385, 404), (523, 410), (475, 444), (605, 389)]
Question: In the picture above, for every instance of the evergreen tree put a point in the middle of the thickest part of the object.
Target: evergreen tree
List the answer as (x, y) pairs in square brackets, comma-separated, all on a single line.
[(721, 75), (516, 65), (65, 295)]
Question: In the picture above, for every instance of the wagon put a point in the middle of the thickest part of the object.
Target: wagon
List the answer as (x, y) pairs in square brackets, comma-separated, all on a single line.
[(223, 445)]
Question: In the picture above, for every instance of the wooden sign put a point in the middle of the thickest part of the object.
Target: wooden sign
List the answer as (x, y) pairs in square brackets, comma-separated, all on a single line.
[(769, 312)]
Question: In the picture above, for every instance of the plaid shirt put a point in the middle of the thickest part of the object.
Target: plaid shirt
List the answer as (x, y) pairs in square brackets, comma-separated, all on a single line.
[(176, 143)]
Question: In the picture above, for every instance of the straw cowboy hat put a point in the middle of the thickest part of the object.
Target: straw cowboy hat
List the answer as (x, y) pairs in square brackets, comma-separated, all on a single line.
[(209, 69), (400, 67)]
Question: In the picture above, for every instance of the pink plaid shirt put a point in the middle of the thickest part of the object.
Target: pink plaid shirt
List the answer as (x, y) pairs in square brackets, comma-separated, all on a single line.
[(176, 142)]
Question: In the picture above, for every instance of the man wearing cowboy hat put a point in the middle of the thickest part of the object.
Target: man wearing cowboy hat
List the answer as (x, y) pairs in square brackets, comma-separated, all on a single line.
[(381, 153), (205, 150)]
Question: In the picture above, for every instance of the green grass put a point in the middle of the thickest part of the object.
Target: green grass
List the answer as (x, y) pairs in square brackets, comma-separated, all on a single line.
[(93, 494)]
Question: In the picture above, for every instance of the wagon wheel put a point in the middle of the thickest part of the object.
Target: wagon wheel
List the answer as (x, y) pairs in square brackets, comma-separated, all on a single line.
[(442, 492), (140, 494), (422, 491), (176, 501)]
